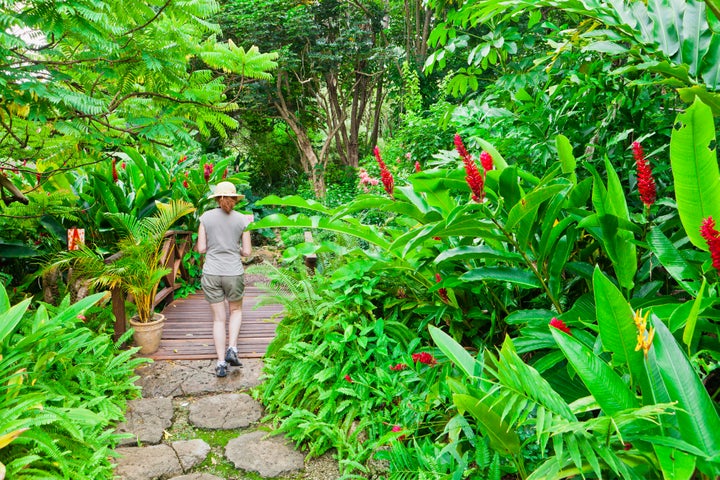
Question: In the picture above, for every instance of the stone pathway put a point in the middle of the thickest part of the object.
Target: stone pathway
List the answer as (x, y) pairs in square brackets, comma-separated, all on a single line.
[(191, 425)]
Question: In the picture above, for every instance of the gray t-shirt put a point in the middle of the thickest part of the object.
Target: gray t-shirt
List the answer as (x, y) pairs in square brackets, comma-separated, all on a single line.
[(224, 239)]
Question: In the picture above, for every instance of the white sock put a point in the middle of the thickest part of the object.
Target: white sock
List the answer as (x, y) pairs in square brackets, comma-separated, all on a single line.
[(222, 364), (234, 349)]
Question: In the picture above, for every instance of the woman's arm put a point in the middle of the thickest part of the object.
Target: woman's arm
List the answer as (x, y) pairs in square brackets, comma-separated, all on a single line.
[(246, 245), (202, 239)]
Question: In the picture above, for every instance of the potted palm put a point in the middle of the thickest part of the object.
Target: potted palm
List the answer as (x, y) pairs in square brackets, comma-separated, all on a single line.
[(135, 269)]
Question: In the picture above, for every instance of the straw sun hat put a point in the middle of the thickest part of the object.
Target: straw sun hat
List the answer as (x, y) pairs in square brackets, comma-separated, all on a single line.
[(225, 189)]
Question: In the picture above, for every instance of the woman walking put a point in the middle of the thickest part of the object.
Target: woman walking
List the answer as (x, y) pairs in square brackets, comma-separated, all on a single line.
[(223, 239)]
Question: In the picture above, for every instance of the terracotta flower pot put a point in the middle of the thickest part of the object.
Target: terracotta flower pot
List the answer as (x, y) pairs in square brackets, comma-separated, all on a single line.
[(147, 334)]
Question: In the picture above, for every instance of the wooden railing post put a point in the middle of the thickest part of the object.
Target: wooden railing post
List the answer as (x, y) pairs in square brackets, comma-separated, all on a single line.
[(118, 308)]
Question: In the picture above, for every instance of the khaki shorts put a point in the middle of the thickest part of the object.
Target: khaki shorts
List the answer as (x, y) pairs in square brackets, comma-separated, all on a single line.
[(218, 288)]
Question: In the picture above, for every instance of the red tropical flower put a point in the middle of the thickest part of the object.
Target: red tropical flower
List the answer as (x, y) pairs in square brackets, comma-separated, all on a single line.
[(398, 428), (710, 234), (473, 177), (182, 159), (385, 175), (424, 357), (418, 168), (122, 165), (348, 378), (185, 183), (646, 182), (442, 291), (207, 171), (560, 325), (486, 161), (398, 367)]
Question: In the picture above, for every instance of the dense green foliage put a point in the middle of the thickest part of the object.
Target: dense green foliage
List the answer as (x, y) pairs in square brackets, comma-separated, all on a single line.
[(547, 312), (64, 390)]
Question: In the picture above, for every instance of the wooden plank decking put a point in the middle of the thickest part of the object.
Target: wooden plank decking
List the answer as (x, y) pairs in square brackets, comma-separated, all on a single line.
[(187, 334)]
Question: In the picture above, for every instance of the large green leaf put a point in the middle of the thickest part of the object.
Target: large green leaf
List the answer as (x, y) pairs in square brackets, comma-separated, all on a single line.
[(502, 437), (294, 201), (470, 252), (456, 353), (608, 389), (697, 417), (695, 169), (565, 154), (674, 463), (354, 229), (612, 212), (530, 203), (4, 300), (16, 250), (687, 276), (516, 276), (617, 326), (10, 319), (691, 321), (665, 27)]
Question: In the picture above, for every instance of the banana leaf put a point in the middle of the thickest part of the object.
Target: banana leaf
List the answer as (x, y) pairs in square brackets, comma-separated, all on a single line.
[(695, 170)]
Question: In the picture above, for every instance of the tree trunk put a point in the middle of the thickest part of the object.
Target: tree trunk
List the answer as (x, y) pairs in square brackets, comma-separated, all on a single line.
[(313, 166)]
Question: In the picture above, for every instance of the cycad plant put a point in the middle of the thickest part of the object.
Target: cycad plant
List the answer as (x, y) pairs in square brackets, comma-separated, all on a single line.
[(136, 267)]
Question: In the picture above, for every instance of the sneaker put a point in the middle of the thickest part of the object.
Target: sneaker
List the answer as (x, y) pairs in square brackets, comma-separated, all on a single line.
[(221, 370), (232, 358)]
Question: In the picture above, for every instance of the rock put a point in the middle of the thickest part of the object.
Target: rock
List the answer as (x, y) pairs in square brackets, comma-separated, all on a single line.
[(225, 411), (191, 452), (195, 377), (197, 476), (147, 463), (146, 419), (269, 457)]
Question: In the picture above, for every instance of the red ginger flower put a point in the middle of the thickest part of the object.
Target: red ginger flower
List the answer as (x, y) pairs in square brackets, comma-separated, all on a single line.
[(207, 171), (646, 182), (418, 169), (486, 161), (348, 378), (398, 428), (474, 179), (710, 234), (442, 291), (560, 325), (424, 357), (385, 175), (398, 367)]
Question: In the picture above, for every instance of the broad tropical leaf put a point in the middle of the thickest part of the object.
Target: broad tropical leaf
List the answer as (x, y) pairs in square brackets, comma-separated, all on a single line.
[(608, 389), (697, 417), (695, 170)]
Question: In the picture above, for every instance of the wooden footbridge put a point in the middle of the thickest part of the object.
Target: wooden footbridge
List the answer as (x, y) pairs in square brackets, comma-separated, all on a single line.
[(187, 334)]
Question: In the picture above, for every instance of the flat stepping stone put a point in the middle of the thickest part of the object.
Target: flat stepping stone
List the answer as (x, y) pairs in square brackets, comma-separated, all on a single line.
[(146, 419), (190, 452), (175, 378), (197, 476), (268, 457), (225, 411), (159, 461)]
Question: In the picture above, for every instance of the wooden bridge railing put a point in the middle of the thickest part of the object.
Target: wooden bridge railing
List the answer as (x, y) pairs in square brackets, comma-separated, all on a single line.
[(176, 244)]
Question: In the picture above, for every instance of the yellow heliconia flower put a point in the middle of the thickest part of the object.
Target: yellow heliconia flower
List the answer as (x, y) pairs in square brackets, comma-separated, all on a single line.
[(645, 337)]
